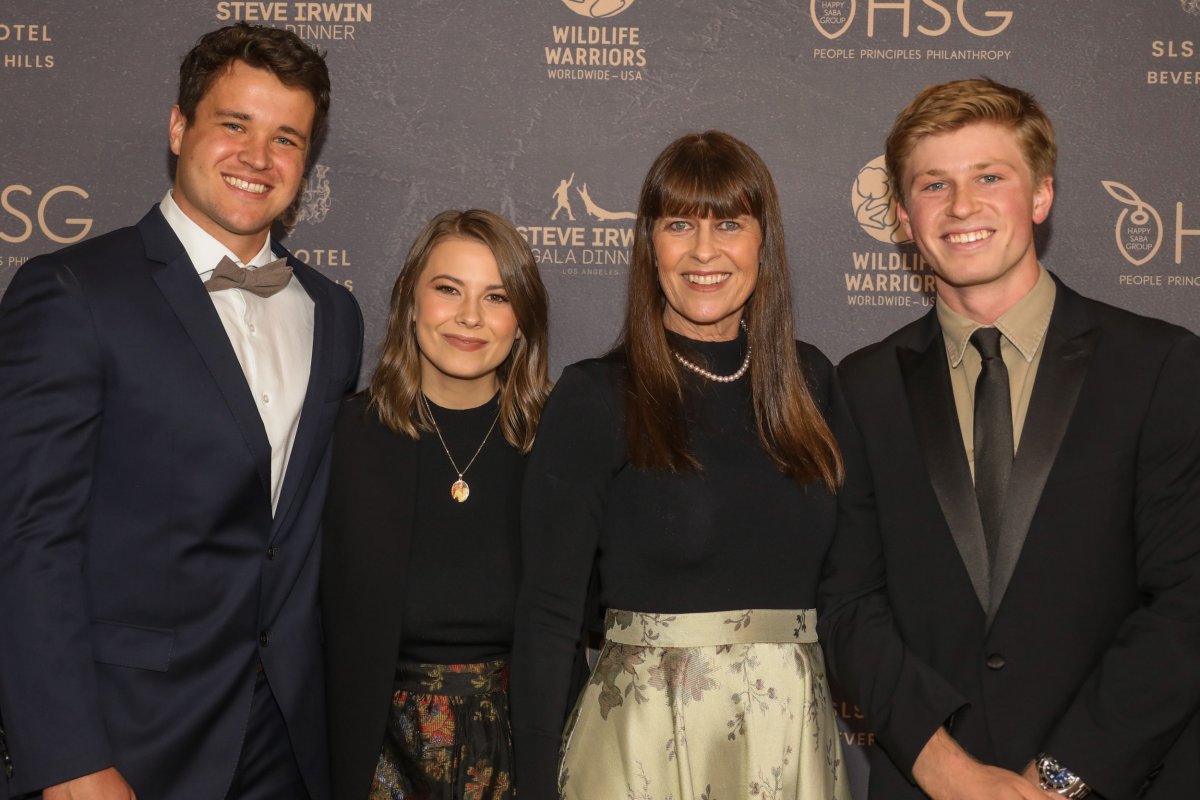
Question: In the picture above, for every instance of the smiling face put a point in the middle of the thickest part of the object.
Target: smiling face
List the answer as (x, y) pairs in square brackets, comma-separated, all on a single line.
[(241, 159), (464, 323), (971, 204), (707, 269)]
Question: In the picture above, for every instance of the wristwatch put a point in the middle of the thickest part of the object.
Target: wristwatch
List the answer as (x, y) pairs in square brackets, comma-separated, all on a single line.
[(1054, 777)]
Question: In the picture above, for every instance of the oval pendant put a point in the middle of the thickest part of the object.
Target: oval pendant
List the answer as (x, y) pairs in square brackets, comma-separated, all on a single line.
[(460, 491)]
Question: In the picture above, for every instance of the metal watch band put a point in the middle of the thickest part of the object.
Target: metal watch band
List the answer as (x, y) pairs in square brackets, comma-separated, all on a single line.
[(1056, 778)]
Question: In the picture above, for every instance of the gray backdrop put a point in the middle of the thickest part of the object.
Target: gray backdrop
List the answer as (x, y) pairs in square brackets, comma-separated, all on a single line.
[(521, 106)]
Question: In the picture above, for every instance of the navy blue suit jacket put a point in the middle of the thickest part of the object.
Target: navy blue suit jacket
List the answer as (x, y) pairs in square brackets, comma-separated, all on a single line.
[(142, 575)]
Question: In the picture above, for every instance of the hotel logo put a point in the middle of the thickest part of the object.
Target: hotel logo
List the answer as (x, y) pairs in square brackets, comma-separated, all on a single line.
[(315, 201)]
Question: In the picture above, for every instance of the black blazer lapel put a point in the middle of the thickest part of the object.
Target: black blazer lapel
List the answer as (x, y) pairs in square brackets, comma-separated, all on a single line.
[(1066, 355), (177, 280), (301, 462), (931, 404)]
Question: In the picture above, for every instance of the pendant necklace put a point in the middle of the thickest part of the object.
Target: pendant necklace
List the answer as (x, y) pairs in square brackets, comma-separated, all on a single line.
[(712, 376), (459, 490)]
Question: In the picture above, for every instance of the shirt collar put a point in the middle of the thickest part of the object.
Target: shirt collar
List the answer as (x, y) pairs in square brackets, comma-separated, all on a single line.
[(201, 246), (1024, 325)]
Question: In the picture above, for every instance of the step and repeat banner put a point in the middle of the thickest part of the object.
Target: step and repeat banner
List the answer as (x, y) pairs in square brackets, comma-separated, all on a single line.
[(550, 111)]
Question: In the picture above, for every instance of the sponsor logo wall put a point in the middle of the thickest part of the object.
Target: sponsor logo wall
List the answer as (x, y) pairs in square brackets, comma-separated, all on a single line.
[(550, 111)]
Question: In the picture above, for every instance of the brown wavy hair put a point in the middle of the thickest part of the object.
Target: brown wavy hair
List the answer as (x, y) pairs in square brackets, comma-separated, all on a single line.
[(281, 52), (395, 388), (713, 174), (948, 107)]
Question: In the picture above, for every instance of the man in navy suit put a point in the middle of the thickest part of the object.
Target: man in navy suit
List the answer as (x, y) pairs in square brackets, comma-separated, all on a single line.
[(166, 401), (1013, 596)]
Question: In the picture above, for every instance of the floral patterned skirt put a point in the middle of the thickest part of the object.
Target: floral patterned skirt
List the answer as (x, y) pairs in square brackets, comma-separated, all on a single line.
[(448, 736), (716, 706)]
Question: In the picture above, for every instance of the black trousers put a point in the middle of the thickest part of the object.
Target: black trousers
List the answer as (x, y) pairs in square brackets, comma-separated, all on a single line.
[(267, 768)]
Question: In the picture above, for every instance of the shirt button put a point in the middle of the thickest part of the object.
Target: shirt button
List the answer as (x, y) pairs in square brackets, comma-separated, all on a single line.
[(995, 661), (266, 398), (270, 552), (251, 327), (264, 638)]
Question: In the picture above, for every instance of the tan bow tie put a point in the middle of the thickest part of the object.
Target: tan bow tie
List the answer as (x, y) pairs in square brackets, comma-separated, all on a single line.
[(263, 281)]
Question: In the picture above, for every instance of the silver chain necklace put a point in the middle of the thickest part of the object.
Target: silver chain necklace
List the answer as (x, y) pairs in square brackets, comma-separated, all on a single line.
[(712, 376), (460, 490)]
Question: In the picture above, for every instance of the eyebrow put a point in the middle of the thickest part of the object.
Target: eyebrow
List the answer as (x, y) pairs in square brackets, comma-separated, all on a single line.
[(458, 281), (970, 168), (244, 117)]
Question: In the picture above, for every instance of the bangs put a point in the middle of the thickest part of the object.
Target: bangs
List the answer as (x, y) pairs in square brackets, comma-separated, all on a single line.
[(705, 182)]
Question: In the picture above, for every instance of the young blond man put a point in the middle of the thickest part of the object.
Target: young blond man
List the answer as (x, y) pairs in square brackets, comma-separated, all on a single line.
[(1013, 598)]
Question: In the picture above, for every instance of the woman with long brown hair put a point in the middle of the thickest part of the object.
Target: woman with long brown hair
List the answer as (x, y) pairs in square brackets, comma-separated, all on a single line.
[(421, 529), (691, 472)]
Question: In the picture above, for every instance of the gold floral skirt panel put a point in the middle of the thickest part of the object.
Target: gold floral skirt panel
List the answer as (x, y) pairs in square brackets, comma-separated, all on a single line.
[(726, 705)]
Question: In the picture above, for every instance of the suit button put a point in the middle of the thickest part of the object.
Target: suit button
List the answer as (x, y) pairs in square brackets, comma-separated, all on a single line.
[(995, 661), (264, 638), (270, 552)]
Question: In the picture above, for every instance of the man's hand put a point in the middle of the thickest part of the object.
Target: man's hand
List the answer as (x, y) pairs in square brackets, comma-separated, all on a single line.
[(946, 772), (107, 784)]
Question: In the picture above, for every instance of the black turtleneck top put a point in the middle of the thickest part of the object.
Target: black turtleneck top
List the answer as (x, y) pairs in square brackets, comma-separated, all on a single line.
[(737, 534)]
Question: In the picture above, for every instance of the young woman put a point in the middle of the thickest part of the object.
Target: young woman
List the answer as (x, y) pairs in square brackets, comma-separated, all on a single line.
[(692, 468), (421, 536)]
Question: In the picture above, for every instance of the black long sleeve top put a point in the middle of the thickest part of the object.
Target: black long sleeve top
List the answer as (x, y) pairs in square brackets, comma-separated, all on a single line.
[(736, 534), (464, 558)]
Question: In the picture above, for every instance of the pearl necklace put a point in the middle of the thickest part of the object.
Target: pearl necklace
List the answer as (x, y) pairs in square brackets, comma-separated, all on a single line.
[(712, 376)]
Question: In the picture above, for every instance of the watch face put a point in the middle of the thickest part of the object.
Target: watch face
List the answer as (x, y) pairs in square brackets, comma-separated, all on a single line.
[(1054, 776), (1058, 779)]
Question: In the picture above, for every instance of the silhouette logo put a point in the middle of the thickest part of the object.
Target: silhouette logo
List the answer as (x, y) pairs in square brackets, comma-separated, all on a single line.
[(875, 205), (562, 200), (598, 9)]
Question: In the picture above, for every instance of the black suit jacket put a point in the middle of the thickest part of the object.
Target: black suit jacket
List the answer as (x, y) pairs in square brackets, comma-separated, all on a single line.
[(142, 575), (1083, 638), (368, 531), (368, 528)]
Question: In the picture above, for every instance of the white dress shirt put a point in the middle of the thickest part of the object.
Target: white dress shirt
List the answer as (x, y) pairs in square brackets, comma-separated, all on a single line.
[(272, 337)]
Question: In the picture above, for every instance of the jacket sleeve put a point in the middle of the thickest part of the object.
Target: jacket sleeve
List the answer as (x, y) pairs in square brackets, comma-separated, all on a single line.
[(566, 485), (1145, 689), (903, 699), (51, 396)]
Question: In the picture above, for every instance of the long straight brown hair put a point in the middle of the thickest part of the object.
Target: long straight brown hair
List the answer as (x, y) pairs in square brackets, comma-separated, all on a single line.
[(395, 389), (713, 174)]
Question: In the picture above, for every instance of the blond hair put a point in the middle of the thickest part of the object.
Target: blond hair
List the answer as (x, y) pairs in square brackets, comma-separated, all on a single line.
[(948, 107)]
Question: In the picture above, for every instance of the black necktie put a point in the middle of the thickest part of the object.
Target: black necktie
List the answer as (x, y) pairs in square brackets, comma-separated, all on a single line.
[(263, 281), (993, 435)]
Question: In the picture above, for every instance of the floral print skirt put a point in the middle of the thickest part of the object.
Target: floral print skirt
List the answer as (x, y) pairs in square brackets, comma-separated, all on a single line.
[(448, 735), (715, 706)]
